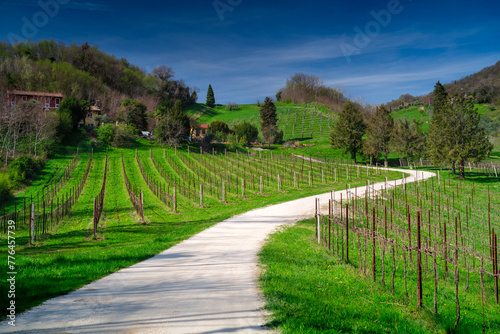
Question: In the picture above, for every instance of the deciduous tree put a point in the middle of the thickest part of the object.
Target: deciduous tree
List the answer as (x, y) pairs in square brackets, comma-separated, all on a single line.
[(378, 134), (407, 139)]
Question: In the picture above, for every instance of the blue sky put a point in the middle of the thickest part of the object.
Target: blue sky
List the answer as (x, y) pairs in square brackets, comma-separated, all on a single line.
[(247, 49)]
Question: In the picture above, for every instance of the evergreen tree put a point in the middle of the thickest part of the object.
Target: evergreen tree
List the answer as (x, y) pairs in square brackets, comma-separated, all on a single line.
[(210, 97), (347, 134), (440, 99), (378, 135), (268, 113), (268, 126), (456, 135)]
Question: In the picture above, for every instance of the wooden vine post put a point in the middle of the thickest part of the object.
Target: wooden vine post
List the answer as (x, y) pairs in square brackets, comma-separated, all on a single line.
[(419, 264), (347, 232), (373, 245)]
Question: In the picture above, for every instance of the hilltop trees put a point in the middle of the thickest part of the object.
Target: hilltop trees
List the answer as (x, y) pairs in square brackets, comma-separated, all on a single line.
[(347, 134), (378, 134), (210, 97), (305, 88)]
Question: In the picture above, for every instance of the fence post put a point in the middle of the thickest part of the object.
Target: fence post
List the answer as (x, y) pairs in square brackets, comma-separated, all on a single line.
[(142, 206), (201, 195), (374, 245), (419, 264), (318, 227), (32, 224), (95, 216), (261, 188), (242, 187), (346, 230), (223, 191), (175, 200), (279, 189)]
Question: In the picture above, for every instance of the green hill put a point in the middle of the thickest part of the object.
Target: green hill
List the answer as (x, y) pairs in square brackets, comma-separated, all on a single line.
[(298, 122), (490, 120)]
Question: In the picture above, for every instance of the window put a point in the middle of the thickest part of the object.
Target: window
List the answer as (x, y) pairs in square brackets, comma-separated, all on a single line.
[(58, 101), (25, 98)]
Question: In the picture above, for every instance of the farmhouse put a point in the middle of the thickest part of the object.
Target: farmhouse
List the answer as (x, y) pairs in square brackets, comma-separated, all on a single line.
[(198, 131), (50, 101), (90, 118)]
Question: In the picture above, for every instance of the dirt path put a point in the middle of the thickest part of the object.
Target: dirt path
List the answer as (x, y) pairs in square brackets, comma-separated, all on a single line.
[(207, 284)]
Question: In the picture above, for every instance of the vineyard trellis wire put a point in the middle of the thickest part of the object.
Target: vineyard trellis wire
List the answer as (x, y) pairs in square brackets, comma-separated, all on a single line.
[(156, 187), (99, 200), (431, 234), (23, 215), (136, 196), (39, 224)]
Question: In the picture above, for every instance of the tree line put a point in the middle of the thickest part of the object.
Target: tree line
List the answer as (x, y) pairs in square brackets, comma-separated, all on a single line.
[(455, 135)]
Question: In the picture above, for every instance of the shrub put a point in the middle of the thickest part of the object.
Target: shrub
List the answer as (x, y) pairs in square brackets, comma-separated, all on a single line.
[(232, 106), (105, 134), (248, 130), (243, 141), (124, 136), (5, 189), (218, 126), (24, 169)]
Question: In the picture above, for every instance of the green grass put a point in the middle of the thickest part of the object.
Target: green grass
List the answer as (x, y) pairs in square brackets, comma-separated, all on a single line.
[(309, 289), (411, 114), (483, 109), (68, 257)]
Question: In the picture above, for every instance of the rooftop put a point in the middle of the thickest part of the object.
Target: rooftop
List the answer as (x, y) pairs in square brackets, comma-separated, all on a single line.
[(44, 94)]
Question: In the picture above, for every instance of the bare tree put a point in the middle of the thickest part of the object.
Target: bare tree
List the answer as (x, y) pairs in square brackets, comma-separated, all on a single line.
[(163, 73)]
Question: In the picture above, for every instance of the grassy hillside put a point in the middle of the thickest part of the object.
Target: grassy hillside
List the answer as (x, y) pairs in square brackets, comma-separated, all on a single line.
[(307, 124), (311, 125), (490, 119)]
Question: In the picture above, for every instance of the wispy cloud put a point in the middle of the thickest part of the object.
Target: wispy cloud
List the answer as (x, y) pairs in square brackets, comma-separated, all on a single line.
[(90, 6)]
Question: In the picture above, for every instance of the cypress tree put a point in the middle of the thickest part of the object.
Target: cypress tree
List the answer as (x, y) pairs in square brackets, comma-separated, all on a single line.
[(210, 97), (268, 126), (347, 134)]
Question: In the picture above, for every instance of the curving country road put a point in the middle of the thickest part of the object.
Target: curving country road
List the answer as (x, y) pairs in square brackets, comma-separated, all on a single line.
[(206, 284)]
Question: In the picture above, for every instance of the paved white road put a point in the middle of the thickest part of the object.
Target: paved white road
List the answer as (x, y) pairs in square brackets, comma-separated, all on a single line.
[(207, 284)]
